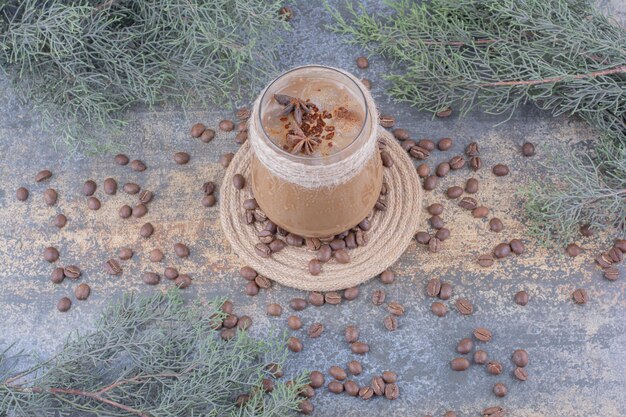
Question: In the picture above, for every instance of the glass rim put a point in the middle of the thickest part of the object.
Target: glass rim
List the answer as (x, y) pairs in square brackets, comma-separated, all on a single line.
[(339, 155)]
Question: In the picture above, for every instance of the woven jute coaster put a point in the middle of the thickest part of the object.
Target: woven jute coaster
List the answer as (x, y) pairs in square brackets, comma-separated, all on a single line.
[(390, 233)]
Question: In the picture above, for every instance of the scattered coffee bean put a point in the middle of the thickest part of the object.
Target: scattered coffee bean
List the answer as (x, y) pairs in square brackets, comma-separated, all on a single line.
[(580, 296), (434, 245), (493, 412), (517, 246), (378, 297), (500, 170), (430, 182), (362, 62), (298, 304), (110, 186), (387, 277), (43, 175), (436, 222), (274, 310), (386, 158), (125, 254), (151, 278), (227, 307), (422, 237), (475, 163), (71, 271), (181, 158), (520, 358), (457, 162), (351, 293), (207, 136), (442, 169), (435, 209), (620, 244), (263, 282), (400, 134), (181, 250), (57, 276), (381, 204), (59, 220), (444, 144), (263, 250), (528, 149), (468, 203), (316, 299), (170, 273), (241, 137), (521, 374), (89, 188), (604, 261), (156, 255), (521, 298), (197, 130), (21, 194), (82, 291), (64, 304), (51, 254), (359, 348), (495, 225), (433, 287), (351, 333), (226, 159), (480, 357), (183, 281), (365, 393), (482, 334), (387, 121), (137, 165), (351, 388), (50, 197), (454, 192), (294, 323), (305, 407), (239, 181), (446, 291), (317, 379), (226, 125), (485, 260), (355, 368), (464, 306), (93, 203), (251, 289), (140, 210), (616, 255), (459, 364), (342, 256), (146, 230), (335, 387), (423, 170), (209, 200), (494, 368), (418, 152), (367, 83), (244, 322), (131, 188), (324, 253), (337, 373), (612, 274), (332, 298), (230, 321), (465, 346), (471, 186), (121, 159), (446, 112), (228, 334), (378, 385), (502, 250), (438, 309), (390, 323), (499, 389), (480, 212), (294, 344), (112, 267), (427, 144), (125, 212), (392, 392)]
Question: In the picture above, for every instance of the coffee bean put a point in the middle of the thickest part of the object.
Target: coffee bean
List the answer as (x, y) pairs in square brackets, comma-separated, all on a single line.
[(43, 175), (359, 348), (146, 230), (332, 298), (71, 271), (181, 250), (480, 212), (82, 291), (181, 158), (93, 203), (422, 237), (227, 307), (438, 309), (208, 188), (434, 245), (228, 334), (446, 291), (433, 287), (182, 281), (468, 203), (521, 374), (430, 182), (378, 297), (472, 149), (381, 204), (239, 181), (423, 170), (209, 200), (367, 83), (500, 170), (494, 368), (263, 250), (427, 144), (335, 387), (355, 368), (156, 255), (140, 210), (351, 388), (471, 186), (57, 276), (21, 194), (365, 393), (616, 255), (493, 412), (137, 165), (125, 212), (378, 385), (125, 254), (475, 163), (387, 159), (110, 186), (444, 144), (499, 389), (457, 162), (435, 209), (573, 250), (317, 379), (387, 277), (241, 137), (454, 192), (465, 346), (580, 296), (305, 406), (298, 304), (351, 333), (151, 278), (436, 222), (197, 130), (244, 322), (51, 254), (112, 267), (294, 323), (604, 261), (620, 244), (459, 364), (342, 256), (520, 358), (50, 197), (251, 289), (485, 260), (89, 188), (528, 149), (294, 344), (230, 321), (170, 272), (482, 334), (517, 246), (59, 220), (337, 373), (612, 274), (263, 282), (390, 323), (351, 293), (226, 125), (521, 298), (418, 152), (442, 169), (495, 225), (362, 62), (392, 392), (131, 188), (324, 253), (464, 306), (121, 159), (480, 357), (64, 304), (502, 250), (316, 299), (274, 310), (400, 134), (226, 159), (387, 121)]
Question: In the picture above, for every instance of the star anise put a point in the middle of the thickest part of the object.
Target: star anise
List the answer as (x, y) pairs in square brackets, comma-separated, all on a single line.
[(300, 142), (293, 104)]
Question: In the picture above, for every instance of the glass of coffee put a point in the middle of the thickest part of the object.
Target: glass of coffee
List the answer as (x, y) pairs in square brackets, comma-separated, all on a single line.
[(316, 169)]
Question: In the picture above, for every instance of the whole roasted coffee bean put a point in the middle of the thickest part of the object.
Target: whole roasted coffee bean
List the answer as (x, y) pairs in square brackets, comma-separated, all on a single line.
[(495, 225), (250, 204), (228, 334), (387, 159), (317, 379), (471, 186), (482, 334), (110, 186), (137, 165), (521, 374), (457, 162), (434, 245), (337, 373), (351, 293), (520, 358), (239, 181), (305, 407), (359, 348), (444, 144), (351, 388), (251, 289), (521, 298), (387, 121), (355, 367), (407, 145), (294, 323), (71, 271), (400, 134), (620, 244), (480, 357), (226, 159), (612, 274), (493, 412), (316, 299), (337, 244), (528, 149), (89, 187), (517, 246), (263, 282), (389, 377), (392, 392), (227, 307), (499, 389), (387, 277), (93, 203), (82, 291), (475, 163), (112, 267), (181, 250), (207, 136), (464, 306), (50, 197), (209, 200), (485, 260), (197, 130), (146, 230), (438, 309), (335, 387), (365, 224), (342, 256), (170, 272), (298, 304), (430, 182), (422, 237), (121, 159), (244, 322), (454, 192), (208, 188), (313, 243), (615, 254), (378, 385), (145, 196), (465, 346), (125, 212), (156, 255), (241, 137), (472, 149), (64, 304), (332, 297), (131, 188), (43, 175), (502, 250), (604, 261), (125, 254), (500, 170), (418, 152), (151, 278), (426, 144), (181, 158), (274, 310), (573, 250), (59, 220), (263, 250), (274, 370), (423, 170), (362, 62), (446, 291), (140, 210), (367, 83), (435, 209), (325, 253), (378, 297), (351, 333), (21, 194), (350, 240), (459, 364), (57, 276), (468, 203), (580, 296), (51, 254), (390, 323), (494, 368), (230, 321), (362, 238), (480, 212), (365, 393), (442, 169), (381, 204), (294, 344), (226, 125), (433, 287)]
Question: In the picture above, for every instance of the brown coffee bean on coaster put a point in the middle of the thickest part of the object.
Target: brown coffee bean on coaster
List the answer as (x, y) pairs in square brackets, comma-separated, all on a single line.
[(110, 186), (226, 125), (499, 389), (468, 203), (351, 294), (528, 149), (573, 250), (139, 210), (480, 212), (400, 134), (378, 297), (72, 271), (378, 385), (367, 83), (121, 159), (446, 291), (495, 225), (365, 393), (430, 182), (493, 412), (500, 170), (521, 374), (131, 188), (337, 373), (57, 276), (146, 196), (472, 149), (362, 62), (181, 250), (520, 358), (197, 130), (137, 165), (156, 255), (395, 308), (445, 112), (332, 297), (457, 162), (611, 274), (335, 387), (436, 222), (151, 278), (471, 186), (274, 310), (125, 254), (423, 170), (181, 158), (146, 230), (112, 267), (454, 192), (251, 289), (387, 277), (351, 388), (392, 392), (89, 188), (183, 281), (485, 260), (433, 287), (170, 273)]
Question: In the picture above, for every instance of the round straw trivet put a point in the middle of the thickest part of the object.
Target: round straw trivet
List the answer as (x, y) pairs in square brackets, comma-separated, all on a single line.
[(390, 233)]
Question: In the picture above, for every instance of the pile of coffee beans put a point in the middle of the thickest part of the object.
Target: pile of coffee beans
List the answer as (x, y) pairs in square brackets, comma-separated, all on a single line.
[(609, 259), (443, 290)]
